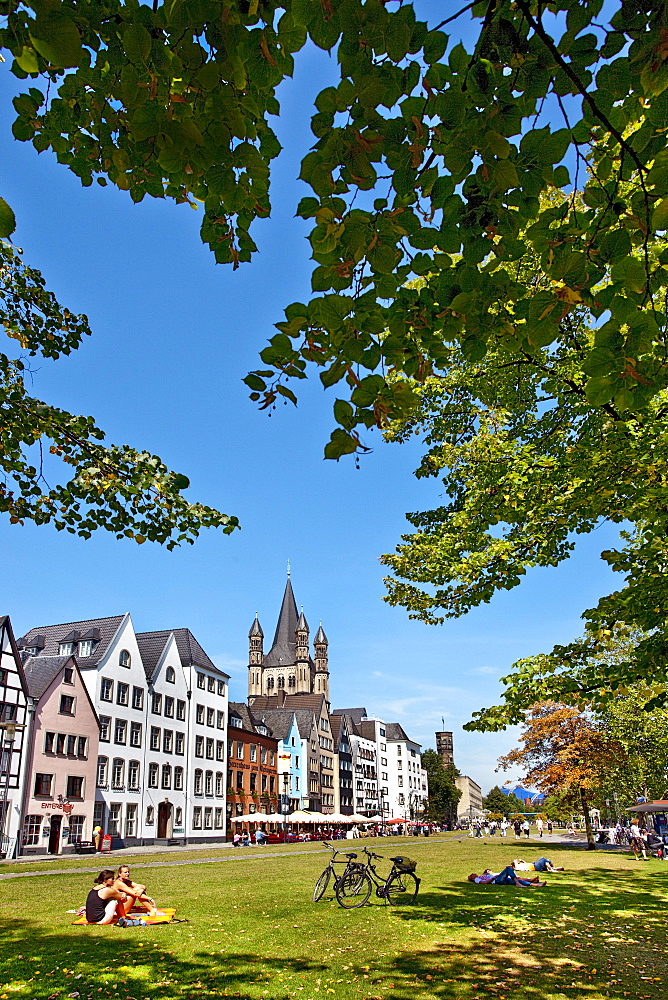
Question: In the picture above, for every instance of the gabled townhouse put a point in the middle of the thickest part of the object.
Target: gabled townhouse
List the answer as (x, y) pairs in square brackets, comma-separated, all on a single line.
[(342, 726), (14, 738), (284, 727), (364, 759), (62, 763), (136, 800), (252, 759), (407, 781)]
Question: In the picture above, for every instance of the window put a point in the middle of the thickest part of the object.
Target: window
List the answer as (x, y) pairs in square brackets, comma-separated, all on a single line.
[(272, 758), (220, 720), (71, 746), (82, 746), (68, 675), (230, 748), (281, 682), (179, 813), (253, 752), (264, 782), (118, 774), (199, 715), (124, 658), (122, 693), (133, 776), (155, 738), (156, 705), (208, 783), (296, 784), (209, 748), (179, 744), (383, 761), (240, 750), (382, 732), (263, 755), (211, 684), (235, 721), (106, 689), (60, 743), (167, 739), (220, 750), (135, 734), (197, 811), (169, 707), (219, 782), (115, 810), (77, 824), (253, 781), (221, 687), (201, 681), (138, 698), (166, 776), (199, 746), (43, 784), (178, 779), (75, 787), (85, 647), (198, 782), (32, 826), (66, 648), (208, 818), (296, 761), (272, 782), (102, 763), (180, 710), (149, 815), (130, 819), (383, 776), (240, 781), (170, 675), (218, 819), (210, 716), (152, 775), (398, 748), (400, 781), (120, 731), (49, 740), (66, 704)]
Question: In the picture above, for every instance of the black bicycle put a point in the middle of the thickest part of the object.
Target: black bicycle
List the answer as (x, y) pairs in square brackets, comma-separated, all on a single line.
[(351, 867), (400, 887)]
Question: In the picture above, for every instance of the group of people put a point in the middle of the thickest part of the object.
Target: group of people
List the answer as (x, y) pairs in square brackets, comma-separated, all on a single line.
[(509, 874), (113, 897), (488, 828)]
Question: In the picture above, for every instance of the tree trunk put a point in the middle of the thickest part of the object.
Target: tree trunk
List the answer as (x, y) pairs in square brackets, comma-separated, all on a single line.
[(591, 845)]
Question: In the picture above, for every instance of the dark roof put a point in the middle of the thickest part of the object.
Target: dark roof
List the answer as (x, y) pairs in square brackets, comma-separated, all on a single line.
[(278, 722), (283, 649), (55, 634), (249, 720), (256, 629), (190, 651), (40, 672), (302, 624), (356, 714), (393, 731), (320, 636)]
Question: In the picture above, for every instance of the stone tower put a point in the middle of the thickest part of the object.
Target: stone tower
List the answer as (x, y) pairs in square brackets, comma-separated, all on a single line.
[(255, 658), (321, 663)]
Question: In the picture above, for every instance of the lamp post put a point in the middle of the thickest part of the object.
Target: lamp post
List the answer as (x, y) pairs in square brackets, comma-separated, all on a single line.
[(616, 798)]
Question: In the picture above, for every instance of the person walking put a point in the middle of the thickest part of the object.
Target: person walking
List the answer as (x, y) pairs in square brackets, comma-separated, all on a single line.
[(504, 826), (539, 826), (637, 841), (517, 827), (549, 826), (526, 826)]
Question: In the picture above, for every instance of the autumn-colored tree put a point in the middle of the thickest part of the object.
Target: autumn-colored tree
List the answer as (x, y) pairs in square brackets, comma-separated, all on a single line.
[(562, 750)]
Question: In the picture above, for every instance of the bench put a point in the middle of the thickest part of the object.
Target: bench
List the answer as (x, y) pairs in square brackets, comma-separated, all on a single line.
[(84, 847)]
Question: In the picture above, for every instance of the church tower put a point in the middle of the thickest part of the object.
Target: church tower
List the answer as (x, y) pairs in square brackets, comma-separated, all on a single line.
[(255, 658), (303, 666), (321, 663)]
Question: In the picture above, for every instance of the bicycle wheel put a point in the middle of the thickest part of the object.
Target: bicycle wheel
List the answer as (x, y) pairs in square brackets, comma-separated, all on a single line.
[(402, 888), (321, 885), (353, 890)]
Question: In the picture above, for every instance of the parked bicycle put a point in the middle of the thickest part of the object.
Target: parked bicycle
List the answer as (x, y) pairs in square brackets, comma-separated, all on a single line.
[(351, 866), (399, 888)]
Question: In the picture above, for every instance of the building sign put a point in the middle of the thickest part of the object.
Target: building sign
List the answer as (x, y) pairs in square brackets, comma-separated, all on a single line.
[(285, 756), (66, 807), (105, 847)]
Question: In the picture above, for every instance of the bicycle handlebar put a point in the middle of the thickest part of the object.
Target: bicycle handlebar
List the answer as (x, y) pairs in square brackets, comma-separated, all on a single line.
[(372, 855)]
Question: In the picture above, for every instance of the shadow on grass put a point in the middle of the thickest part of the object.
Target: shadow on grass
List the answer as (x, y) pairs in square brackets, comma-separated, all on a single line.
[(131, 963)]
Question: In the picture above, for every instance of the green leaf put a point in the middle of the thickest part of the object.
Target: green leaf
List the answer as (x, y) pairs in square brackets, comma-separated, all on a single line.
[(137, 43), (27, 60), (7, 219), (660, 216), (435, 45), (341, 443), (180, 482), (56, 38), (600, 390), (344, 414)]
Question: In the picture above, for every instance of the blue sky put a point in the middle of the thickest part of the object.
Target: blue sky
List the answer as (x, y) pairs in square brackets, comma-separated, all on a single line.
[(174, 334)]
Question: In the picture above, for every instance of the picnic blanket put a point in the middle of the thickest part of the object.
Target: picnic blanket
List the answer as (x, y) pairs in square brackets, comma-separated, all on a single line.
[(164, 916)]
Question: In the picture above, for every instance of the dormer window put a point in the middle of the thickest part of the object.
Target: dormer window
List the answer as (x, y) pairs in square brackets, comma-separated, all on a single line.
[(66, 648), (235, 721), (124, 658), (85, 647)]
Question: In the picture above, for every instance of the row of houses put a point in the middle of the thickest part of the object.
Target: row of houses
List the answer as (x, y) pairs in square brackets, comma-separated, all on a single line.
[(132, 733)]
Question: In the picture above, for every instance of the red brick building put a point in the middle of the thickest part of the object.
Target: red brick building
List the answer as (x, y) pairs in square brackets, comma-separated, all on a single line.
[(252, 766)]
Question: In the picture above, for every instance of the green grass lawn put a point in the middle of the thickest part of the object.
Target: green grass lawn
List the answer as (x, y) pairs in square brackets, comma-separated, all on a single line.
[(597, 930)]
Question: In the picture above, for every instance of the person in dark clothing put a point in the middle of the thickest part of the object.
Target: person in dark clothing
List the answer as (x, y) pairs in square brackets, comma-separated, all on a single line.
[(506, 877), (105, 904)]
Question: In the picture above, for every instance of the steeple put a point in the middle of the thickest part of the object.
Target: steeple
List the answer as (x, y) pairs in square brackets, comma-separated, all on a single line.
[(255, 658), (321, 662), (284, 647)]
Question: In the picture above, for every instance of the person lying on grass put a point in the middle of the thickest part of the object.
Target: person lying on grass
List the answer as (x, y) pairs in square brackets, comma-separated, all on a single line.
[(506, 877), (105, 903), (136, 893), (542, 865)]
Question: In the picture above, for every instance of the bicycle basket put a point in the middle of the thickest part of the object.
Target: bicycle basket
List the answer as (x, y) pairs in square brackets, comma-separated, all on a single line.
[(405, 864)]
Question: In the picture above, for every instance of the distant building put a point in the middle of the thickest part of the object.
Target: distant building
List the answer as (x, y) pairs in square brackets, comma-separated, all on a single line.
[(444, 747), (525, 796), (470, 804), (13, 738)]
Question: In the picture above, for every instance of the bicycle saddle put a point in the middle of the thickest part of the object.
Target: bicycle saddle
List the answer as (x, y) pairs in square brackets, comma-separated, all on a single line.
[(351, 855)]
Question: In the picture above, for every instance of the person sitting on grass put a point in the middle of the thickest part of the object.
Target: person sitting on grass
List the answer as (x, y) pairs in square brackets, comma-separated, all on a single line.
[(506, 877), (136, 893), (105, 903), (542, 865)]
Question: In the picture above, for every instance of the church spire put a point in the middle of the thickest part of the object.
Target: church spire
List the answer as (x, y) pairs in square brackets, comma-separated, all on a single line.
[(283, 648)]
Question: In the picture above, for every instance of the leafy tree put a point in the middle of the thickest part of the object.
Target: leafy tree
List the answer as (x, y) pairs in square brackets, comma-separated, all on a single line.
[(429, 160), (558, 807), (443, 792), (496, 801), (644, 737), (563, 751)]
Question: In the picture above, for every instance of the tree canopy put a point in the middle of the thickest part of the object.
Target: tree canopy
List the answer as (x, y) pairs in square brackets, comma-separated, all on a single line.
[(443, 792), (493, 213), (496, 801)]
